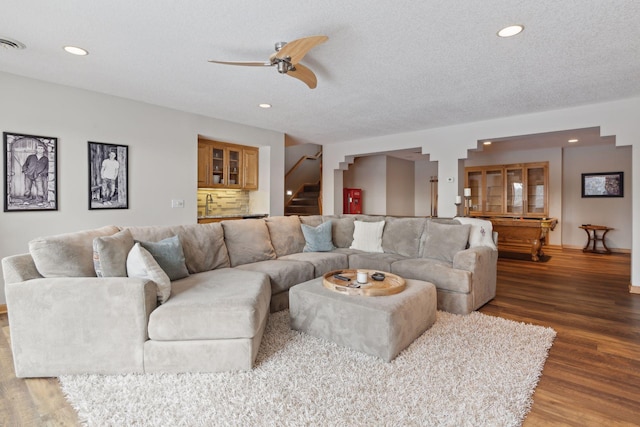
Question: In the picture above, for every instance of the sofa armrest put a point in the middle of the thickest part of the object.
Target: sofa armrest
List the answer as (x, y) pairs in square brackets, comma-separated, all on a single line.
[(482, 262), (18, 268), (76, 325)]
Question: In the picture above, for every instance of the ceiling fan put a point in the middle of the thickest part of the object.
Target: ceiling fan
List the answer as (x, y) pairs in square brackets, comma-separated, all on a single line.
[(287, 58)]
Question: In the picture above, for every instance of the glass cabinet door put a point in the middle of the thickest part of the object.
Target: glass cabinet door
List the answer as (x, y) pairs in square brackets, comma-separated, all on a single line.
[(536, 195), (474, 181), (515, 193), (235, 170), (217, 166), (494, 187)]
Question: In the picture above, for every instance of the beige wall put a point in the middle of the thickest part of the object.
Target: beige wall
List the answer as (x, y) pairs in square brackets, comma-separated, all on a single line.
[(369, 174), (162, 158), (610, 211), (387, 183), (400, 187)]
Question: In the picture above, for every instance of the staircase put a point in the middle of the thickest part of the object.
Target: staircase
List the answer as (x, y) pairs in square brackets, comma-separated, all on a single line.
[(305, 201)]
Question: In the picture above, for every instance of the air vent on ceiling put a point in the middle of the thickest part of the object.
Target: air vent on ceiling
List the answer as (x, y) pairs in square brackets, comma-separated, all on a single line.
[(8, 43)]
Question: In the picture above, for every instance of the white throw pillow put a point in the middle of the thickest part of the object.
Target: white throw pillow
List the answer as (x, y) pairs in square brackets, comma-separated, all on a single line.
[(140, 263), (481, 232), (367, 236)]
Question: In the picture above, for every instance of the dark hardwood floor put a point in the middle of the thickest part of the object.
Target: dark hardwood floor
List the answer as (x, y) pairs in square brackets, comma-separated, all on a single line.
[(591, 378)]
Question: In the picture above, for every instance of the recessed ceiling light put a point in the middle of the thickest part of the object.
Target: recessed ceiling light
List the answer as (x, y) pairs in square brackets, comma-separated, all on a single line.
[(571, 141), (510, 31), (75, 50), (486, 143), (264, 105)]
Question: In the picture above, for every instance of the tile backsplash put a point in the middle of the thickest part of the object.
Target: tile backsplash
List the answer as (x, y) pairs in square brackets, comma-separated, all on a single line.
[(224, 202)]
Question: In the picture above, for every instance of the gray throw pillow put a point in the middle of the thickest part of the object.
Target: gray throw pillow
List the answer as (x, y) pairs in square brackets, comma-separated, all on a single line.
[(445, 240), (318, 239), (110, 254), (169, 255)]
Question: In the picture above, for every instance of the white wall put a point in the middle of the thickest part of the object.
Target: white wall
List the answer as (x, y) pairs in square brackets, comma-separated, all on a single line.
[(293, 153), (424, 170), (162, 158), (609, 211), (447, 145)]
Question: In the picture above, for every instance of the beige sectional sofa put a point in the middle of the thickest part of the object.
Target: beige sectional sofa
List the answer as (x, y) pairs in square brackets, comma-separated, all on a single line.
[(217, 287)]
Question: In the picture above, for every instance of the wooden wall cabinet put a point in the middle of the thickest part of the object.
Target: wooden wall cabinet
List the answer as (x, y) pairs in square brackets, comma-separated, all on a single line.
[(250, 158), (517, 190), (224, 165)]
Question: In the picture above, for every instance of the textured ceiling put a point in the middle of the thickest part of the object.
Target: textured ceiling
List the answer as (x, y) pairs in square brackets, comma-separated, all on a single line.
[(389, 66)]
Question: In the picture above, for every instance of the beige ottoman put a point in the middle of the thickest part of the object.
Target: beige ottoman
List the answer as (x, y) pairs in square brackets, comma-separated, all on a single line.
[(381, 326)]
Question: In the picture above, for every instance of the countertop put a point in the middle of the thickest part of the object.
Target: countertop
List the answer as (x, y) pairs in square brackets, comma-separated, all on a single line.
[(236, 215)]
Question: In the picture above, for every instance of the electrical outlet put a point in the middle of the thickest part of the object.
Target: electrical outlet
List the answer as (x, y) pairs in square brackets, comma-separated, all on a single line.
[(450, 179), (177, 203)]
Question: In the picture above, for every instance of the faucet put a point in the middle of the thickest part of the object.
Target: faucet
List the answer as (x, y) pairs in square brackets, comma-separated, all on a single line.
[(207, 206)]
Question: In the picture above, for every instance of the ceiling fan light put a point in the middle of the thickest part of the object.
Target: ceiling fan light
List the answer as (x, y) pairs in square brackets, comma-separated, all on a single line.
[(510, 31)]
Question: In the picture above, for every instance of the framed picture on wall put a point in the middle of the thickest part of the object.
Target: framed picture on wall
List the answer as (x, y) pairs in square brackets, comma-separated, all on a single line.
[(31, 172), (108, 176), (603, 184)]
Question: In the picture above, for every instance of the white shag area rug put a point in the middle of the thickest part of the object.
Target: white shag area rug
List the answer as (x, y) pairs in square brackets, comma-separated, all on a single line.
[(474, 370)]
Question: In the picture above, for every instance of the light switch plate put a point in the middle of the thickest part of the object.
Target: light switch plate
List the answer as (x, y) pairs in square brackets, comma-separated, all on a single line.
[(177, 203)]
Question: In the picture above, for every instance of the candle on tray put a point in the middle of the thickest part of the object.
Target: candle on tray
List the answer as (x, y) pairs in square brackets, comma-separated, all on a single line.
[(458, 200)]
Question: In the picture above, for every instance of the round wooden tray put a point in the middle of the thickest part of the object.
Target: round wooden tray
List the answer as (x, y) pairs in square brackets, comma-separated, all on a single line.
[(391, 284)]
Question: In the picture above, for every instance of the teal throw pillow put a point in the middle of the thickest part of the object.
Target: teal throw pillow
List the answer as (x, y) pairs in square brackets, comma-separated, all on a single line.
[(318, 239), (169, 255)]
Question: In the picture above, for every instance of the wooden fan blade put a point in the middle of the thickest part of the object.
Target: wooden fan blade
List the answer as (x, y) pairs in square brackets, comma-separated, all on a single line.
[(297, 49), (245, 63), (305, 75)]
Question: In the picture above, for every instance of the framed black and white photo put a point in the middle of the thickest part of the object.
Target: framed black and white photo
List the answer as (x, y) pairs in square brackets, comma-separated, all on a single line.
[(31, 173), (603, 184), (108, 186)]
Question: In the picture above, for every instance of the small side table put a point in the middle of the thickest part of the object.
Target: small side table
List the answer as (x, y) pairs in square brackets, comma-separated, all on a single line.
[(592, 235)]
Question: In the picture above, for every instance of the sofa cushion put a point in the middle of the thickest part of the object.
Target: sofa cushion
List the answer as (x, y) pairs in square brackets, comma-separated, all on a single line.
[(341, 230), (69, 254), (286, 234), (481, 233), (202, 244), (323, 262), (110, 254), (445, 240), (169, 255), (140, 263), (312, 220), (225, 303), (317, 239), (283, 274), (374, 261), (367, 236), (402, 236), (437, 272), (247, 241)]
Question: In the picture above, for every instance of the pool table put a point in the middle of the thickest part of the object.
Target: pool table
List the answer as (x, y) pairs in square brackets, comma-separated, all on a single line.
[(524, 230)]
